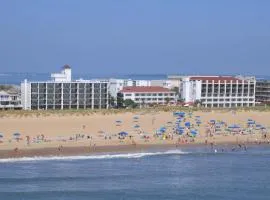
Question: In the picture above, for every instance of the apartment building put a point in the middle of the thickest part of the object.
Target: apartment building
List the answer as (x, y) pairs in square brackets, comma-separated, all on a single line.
[(63, 93), (219, 91)]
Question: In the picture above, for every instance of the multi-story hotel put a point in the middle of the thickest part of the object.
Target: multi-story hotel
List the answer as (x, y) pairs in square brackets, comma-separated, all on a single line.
[(63, 93), (263, 91), (219, 91), (148, 95)]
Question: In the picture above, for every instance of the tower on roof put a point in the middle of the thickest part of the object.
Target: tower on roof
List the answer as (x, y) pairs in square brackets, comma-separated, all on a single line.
[(64, 76)]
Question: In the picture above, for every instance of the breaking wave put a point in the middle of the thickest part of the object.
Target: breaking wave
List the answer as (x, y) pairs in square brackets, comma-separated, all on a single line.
[(92, 157)]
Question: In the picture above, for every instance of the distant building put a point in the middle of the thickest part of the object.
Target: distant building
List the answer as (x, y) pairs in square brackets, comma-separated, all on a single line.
[(63, 93), (162, 83), (263, 91), (115, 85), (218, 91), (148, 95), (10, 100)]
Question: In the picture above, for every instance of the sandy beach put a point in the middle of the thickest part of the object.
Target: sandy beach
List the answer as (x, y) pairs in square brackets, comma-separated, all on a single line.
[(72, 134)]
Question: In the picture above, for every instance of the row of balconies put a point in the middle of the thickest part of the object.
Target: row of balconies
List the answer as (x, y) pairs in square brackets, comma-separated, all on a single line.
[(228, 105), (153, 95)]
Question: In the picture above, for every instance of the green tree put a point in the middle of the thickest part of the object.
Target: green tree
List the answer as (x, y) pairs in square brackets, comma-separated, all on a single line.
[(111, 101), (167, 100), (130, 103), (176, 90), (198, 103)]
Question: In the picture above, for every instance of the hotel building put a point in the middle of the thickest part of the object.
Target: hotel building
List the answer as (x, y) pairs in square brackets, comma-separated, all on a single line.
[(148, 95), (63, 93), (118, 84), (263, 91), (218, 91)]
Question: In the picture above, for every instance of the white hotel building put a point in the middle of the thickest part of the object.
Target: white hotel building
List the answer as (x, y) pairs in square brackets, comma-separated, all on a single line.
[(218, 91), (148, 95), (63, 93)]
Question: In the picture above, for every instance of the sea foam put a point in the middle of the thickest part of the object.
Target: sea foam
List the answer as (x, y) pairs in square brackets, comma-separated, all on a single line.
[(92, 157)]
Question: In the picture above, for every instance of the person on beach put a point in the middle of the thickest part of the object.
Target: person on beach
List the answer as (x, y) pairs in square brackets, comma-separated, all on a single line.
[(28, 140), (60, 148)]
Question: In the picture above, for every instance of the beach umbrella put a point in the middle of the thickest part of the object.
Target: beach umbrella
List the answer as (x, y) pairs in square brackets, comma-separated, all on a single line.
[(16, 134), (180, 131), (159, 133), (136, 126), (136, 117), (234, 126), (118, 121), (162, 129), (187, 124), (193, 132), (212, 121), (1, 135), (123, 133)]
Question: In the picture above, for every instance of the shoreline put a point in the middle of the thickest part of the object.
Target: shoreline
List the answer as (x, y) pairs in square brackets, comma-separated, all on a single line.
[(87, 150)]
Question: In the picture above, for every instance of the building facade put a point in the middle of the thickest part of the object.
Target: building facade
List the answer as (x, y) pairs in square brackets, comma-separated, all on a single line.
[(10, 100), (115, 85), (263, 91), (219, 91), (62, 93), (148, 95)]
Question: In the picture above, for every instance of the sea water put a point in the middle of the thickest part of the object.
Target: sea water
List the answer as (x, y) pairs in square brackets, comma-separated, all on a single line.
[(183, 173)]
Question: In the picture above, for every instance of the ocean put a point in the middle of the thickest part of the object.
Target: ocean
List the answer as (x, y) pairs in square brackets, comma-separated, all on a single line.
[(185, 173), (17, 78)]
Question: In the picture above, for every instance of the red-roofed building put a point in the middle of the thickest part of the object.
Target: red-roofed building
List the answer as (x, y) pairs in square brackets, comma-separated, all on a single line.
[(219, 91), (148, 95)]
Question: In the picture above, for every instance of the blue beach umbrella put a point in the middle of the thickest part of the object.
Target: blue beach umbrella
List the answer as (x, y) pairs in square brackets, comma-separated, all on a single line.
[(187, 124), (212, 121), (136, 126), (234, 126), (123, 133), (180, 131), (16, 134)]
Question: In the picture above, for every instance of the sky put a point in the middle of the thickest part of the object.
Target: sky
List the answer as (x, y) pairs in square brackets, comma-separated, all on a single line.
[(136, 36)]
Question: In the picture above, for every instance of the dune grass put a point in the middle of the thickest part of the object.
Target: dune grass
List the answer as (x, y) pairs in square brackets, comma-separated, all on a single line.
[(87, 112)]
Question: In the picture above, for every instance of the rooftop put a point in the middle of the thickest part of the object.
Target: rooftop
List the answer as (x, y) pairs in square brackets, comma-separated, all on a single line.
[(215, 78), (144, 89), (66, 66)]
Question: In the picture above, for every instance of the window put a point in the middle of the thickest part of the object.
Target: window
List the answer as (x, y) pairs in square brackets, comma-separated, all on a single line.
[(127, 95)]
